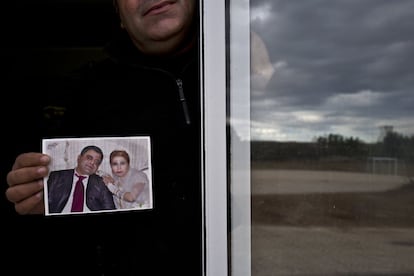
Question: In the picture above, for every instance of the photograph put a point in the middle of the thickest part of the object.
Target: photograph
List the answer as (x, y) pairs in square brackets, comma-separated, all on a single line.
[(95, 175)]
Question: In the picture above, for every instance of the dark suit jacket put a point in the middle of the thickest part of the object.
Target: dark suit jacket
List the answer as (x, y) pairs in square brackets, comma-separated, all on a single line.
[(59, 185)]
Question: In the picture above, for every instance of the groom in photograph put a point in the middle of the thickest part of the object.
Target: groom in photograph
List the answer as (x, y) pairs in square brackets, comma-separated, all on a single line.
[(80, 189)]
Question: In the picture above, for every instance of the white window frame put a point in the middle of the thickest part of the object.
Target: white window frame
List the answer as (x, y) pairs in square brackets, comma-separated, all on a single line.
[(213, 84), (227, 239)]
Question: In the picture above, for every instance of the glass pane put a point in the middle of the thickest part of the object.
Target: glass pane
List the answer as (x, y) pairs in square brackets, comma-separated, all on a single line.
[(239, 137), (332, 137)]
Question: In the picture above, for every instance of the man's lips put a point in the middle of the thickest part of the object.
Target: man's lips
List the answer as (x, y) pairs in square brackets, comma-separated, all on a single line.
[(158, 8)]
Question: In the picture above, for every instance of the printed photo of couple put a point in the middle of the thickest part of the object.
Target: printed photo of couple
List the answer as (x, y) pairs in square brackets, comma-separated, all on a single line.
[(90, 175)]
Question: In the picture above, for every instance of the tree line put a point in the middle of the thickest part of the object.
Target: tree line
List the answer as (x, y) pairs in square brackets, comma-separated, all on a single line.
[(394, 145)]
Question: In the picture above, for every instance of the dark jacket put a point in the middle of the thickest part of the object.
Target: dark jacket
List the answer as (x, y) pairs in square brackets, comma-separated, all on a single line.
[(59, 185), (125, 94)]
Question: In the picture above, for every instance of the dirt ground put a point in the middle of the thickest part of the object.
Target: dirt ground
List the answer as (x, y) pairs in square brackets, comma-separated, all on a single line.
[(393, 208), (328, 229)]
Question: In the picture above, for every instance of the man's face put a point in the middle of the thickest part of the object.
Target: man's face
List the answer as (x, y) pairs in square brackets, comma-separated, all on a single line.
[(88, 163), (156, 26)]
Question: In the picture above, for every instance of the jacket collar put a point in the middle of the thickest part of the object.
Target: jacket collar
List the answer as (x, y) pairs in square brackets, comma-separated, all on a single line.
[(122, 51)]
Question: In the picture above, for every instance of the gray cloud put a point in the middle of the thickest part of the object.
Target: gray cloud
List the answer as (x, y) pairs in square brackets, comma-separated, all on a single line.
[(342, 66)]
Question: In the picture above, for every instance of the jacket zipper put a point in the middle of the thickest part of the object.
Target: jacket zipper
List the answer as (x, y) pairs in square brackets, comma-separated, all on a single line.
[(183, 101), (179, 83)]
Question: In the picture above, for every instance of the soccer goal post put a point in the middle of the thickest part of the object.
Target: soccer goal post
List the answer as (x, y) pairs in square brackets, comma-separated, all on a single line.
[(384, 165)]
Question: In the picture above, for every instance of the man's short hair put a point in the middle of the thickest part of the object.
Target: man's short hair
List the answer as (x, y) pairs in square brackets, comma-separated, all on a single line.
[(94, 148)]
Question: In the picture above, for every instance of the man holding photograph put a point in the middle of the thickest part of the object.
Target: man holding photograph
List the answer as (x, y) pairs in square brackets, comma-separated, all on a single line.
[(148, 86)]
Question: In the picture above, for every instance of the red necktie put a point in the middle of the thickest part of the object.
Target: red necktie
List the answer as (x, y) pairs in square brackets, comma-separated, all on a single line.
[(78, 195)]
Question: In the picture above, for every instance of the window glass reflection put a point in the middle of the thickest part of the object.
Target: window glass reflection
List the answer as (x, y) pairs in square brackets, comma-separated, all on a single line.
[(332, 137)]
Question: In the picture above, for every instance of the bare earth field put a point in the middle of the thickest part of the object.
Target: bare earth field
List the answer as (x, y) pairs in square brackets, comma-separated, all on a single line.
[(320, 198), (331, 223)]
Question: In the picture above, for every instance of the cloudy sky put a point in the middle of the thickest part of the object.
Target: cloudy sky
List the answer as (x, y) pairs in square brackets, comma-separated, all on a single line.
[(339, 66)]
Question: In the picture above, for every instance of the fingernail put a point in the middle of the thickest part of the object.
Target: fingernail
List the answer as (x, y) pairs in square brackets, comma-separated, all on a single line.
[(40, 183), (39, 194), (41, 170), (45, 159)]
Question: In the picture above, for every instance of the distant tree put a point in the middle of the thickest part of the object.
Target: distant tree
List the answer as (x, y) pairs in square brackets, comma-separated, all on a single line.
[(398, 146), (338, 145)]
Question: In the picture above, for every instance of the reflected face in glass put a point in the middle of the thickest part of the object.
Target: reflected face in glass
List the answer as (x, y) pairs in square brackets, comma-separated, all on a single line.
[(156, 23), (89, 162), (119, 166)]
